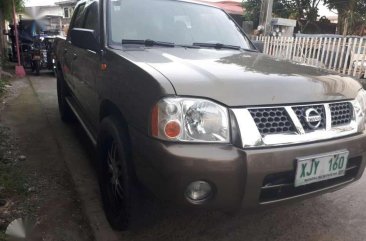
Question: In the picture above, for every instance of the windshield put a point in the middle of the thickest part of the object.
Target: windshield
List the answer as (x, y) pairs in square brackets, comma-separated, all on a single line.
[(177, 22)]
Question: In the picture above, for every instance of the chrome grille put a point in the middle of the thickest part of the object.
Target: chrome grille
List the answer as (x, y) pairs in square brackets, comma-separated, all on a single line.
[(300, 113), (272, 120), (286, 124), (341, 113)]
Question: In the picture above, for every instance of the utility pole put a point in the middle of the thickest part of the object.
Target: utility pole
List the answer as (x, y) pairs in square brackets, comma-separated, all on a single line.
[(266, 16)]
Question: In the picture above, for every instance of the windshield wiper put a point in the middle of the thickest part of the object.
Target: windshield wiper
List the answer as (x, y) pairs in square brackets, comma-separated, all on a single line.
[(147, 42), (217, 46), (251, 50), (188, 46)]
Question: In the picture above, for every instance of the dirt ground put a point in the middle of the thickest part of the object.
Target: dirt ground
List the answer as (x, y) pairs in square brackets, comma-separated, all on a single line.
[(33, 184)]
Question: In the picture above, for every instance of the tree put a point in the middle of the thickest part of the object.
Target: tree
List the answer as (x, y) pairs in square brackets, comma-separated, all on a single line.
[(252, 11), (351, 13), (302, 9), (6, 13), (6, 10), (294, 9)]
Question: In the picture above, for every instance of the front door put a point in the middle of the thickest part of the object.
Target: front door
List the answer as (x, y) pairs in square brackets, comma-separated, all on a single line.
[(69, 49), (86, 68)]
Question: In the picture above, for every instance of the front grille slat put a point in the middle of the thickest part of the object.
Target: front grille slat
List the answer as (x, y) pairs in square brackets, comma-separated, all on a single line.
[(342, 113), (277, 186), (272, 120), (276, 120)]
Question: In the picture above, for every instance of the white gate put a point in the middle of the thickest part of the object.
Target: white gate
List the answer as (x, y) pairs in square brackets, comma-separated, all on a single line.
[(344, 55)]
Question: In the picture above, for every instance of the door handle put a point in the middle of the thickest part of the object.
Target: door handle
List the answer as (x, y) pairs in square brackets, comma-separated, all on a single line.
[(75, 56)]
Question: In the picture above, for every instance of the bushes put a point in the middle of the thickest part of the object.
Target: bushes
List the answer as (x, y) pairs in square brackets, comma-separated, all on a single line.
[(3, 82), (4, 76)]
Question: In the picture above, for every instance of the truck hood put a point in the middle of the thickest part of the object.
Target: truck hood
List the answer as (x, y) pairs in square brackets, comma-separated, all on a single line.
[(244, 78)]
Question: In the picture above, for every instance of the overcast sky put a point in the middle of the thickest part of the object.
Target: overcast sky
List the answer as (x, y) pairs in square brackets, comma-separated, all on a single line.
[(28, 3)]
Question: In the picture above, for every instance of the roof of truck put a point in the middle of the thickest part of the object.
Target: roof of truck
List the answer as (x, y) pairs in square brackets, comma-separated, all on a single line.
[(200, 2)]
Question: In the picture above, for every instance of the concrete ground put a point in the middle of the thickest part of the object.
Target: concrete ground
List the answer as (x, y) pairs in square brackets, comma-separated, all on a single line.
[(331, 217)]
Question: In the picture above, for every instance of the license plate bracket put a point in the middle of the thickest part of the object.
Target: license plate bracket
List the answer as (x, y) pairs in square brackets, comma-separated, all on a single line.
[(321, 167)]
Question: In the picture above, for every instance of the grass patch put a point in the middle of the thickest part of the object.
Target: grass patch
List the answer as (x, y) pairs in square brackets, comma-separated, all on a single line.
[(13, 186), (4, 79), (2, 236), (2, 86), (11, 178)]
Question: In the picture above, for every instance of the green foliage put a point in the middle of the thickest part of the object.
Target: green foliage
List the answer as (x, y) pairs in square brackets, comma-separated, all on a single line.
[(280, 10), (11, 178), (252, 11), (6, 6), (2, 86), (4, 79), (3, 236), (352, 14), (301, 9)]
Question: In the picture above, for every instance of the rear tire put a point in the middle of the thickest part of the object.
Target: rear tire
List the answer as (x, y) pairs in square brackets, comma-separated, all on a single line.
[(66, 113), (120, 194)]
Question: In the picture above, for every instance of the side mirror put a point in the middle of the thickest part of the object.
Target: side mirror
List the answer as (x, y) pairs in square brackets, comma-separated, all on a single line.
[(84, 38), (259, 45)]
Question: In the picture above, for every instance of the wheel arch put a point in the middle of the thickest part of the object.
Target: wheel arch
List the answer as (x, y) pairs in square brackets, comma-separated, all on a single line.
[(109, 109)]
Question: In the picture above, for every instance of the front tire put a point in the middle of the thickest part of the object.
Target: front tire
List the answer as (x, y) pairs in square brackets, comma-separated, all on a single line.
[(120, 194)]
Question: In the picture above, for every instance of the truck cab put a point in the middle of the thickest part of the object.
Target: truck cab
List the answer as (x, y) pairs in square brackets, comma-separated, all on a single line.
[(179, 102)]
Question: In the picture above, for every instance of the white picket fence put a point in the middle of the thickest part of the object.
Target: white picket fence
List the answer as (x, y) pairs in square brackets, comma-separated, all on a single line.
[(344, 55)]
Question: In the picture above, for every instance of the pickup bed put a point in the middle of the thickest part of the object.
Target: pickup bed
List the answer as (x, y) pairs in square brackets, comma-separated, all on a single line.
[(179, 102)]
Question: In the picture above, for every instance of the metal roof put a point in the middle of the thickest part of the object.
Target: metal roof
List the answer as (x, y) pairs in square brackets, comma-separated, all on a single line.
[(231, 7)]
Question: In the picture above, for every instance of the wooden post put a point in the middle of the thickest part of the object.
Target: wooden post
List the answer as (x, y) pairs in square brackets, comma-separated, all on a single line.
[(266, 15)]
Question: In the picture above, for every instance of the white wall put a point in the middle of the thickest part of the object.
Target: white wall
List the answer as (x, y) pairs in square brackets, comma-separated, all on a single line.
[(40, 11)]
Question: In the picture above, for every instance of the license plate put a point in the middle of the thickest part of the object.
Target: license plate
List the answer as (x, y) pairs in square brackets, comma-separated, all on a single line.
[(321, 167), (36, 57)]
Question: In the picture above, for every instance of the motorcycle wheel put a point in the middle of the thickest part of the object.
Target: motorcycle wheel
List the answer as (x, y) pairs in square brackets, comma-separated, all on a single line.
[(37, 67)]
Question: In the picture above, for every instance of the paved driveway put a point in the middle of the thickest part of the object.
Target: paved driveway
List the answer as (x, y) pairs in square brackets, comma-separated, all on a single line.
[(336, 216)]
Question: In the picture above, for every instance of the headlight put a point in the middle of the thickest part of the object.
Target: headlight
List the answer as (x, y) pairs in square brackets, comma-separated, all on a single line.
[(360, 107), (361, 99), (190, 120)]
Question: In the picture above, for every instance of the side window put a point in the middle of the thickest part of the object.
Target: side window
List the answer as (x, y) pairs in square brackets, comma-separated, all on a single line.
[(92, 17), (77, 18), (80, 17)]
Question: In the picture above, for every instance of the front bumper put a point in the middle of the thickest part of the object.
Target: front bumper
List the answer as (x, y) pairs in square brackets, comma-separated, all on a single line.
[(237, 174)]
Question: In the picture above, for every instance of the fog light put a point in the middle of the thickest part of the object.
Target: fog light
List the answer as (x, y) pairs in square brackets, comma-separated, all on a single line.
[(198, 191)]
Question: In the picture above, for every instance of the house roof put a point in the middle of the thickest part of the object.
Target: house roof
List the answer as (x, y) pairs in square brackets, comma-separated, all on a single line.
[(232, 7), (66, 2)]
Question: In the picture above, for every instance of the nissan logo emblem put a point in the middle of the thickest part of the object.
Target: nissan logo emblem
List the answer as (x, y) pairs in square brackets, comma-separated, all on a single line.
[(313, 118)]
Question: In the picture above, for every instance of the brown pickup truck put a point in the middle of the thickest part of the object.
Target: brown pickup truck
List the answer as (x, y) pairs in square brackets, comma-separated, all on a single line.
[(178, 101)]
